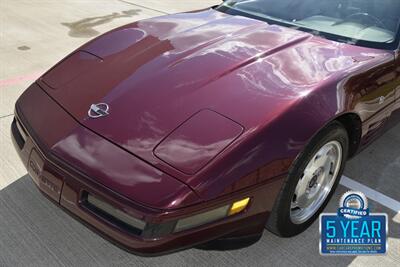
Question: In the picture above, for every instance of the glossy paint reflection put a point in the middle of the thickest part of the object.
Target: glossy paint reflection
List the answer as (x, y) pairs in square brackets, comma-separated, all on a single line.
[(195, 143), (265, 77), (131, 177)]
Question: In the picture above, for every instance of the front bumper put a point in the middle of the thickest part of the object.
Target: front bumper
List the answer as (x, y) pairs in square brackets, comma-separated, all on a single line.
[(69, 188)]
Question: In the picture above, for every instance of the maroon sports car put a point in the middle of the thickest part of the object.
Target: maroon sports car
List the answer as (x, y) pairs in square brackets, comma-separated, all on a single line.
[(177, 130)]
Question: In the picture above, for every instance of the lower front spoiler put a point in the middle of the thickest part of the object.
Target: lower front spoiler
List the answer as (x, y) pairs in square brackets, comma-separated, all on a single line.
[(242, 229), (65, 189), (221, 236), (199, 240)]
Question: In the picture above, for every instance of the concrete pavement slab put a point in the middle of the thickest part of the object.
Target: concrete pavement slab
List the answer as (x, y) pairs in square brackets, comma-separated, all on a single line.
[(378, 166), (11, 167), (174, 6)]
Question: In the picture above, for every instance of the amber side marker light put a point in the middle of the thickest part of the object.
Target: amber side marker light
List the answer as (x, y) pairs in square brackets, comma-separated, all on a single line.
[(212, 215), (239, 206)]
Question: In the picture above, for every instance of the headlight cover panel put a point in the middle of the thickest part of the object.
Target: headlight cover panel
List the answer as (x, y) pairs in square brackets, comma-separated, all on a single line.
[(197, 141)]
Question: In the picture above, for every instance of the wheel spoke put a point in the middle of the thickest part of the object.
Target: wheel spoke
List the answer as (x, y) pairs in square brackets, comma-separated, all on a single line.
[(316, 182), (309, 173), (301, 187), (294, 205), (302, 202), (322, 155)]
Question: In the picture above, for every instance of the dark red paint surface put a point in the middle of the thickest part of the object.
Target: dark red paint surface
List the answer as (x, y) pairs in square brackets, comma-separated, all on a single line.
[(197, 141), (205, 108)]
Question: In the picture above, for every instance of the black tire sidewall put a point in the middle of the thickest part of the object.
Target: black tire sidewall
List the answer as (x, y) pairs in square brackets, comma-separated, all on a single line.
[(280, 222)]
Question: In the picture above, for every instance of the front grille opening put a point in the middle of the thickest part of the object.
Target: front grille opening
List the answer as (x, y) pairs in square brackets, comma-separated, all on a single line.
[(113, 215), (19, 133)]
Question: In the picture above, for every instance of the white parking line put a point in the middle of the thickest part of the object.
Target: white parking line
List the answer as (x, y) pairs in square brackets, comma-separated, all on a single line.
[(371, 194)]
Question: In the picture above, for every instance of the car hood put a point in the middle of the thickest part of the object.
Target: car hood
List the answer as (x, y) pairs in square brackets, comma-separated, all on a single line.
[(182, 88)]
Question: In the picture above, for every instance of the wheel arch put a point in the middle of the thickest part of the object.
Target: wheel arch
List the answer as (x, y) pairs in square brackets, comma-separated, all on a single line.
[(353, 125)]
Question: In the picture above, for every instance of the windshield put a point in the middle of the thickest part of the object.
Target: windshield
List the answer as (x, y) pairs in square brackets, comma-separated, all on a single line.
[(371, 23)]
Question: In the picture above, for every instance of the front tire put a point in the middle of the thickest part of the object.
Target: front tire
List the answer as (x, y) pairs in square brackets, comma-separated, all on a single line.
[(311, 182)]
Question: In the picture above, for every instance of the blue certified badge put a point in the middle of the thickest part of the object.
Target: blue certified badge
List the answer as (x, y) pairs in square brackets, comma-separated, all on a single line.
[(353, 230)]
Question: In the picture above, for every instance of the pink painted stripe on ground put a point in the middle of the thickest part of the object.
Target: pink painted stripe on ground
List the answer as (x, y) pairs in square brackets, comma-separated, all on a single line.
[(20, 79)]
